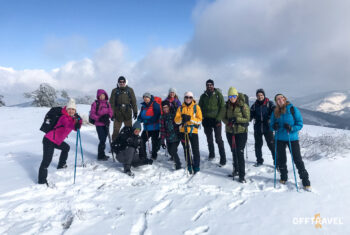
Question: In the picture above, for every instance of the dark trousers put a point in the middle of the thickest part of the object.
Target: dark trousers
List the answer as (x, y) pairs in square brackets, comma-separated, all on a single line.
[(259, 143), (282, 161), (209, 125), (48, 149), (172, 149), (102, 133), (237, 143), (155, 142), (193, 160)]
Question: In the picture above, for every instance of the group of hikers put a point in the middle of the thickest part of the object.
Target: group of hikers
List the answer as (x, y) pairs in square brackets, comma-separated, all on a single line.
[(169, 122)]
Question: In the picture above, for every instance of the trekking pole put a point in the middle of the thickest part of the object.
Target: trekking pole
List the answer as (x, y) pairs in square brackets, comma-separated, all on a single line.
[(81, 149), (149, 146), (291, 154), (274, 180), (246, 151), (110, 141), (189, 150), (76, 154)]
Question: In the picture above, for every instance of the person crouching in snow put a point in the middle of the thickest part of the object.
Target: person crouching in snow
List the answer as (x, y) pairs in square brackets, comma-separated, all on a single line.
[(69, 121), (127, 147), (189, 116), (101, 112), (287, 121), (169, 132)]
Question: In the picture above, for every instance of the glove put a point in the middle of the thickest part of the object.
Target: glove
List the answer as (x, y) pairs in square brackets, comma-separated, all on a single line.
[(77, 117), (135, 116), (104, 119), (218, 123), (113, 118), (287, 127), (77, 124), (231, 122), (185, 118), (130, 141), (276, 126), (163, 146)]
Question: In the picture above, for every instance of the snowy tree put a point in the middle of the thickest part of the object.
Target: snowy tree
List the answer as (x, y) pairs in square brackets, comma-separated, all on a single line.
[(2, 103), (84, 99), (44, 96), (64, 95)]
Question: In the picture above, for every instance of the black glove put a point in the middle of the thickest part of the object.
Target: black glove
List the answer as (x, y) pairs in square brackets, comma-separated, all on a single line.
[(276, 126), (130, 141), (163, 146), (77, 124), (185, 118), (218, 123), (135, 116), (287, 127), (76, 116), (232, 122), (104, 119)]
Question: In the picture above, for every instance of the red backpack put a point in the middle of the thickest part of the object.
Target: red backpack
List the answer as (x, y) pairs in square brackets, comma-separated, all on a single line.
[(149, 111)]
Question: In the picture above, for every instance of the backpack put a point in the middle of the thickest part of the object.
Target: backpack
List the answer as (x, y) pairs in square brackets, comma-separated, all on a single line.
[(159, 101), (149, 109), (246, 100), (51, 119), (92, 121)]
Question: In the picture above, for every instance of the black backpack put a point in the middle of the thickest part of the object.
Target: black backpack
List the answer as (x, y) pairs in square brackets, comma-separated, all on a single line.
[(92, 121), (51, 119)]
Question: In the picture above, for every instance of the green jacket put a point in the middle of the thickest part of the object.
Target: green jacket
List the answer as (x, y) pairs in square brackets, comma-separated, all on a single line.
[(212, 106), (123, 104), (240, 112)]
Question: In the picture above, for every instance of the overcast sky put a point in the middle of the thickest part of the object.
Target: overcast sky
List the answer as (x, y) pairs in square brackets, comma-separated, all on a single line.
[(295, 47)]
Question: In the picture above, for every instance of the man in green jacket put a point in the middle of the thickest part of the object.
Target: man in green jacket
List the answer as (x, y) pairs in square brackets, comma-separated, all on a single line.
[(212, 105), (123, 102)]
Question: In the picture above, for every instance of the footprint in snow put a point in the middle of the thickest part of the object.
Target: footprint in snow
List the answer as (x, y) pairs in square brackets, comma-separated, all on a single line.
[(200, 213), (235, 204), (160, 207), (197, 231)]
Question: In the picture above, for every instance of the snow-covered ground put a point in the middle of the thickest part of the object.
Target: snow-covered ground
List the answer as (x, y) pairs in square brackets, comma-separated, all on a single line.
[(160, 200)]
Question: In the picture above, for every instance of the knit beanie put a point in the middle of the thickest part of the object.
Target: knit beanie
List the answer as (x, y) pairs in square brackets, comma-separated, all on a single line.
[(210, 81), (121, 78), (71, 104), (260, 91), (172, 90), (147, 94), (232, 91), (137, 125)]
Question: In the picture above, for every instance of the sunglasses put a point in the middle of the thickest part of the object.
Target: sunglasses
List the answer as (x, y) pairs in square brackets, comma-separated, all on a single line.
[(188, 97), (232, 96)]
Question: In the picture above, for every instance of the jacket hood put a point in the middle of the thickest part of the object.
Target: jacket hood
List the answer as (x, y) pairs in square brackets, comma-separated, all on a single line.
[(100, 92)]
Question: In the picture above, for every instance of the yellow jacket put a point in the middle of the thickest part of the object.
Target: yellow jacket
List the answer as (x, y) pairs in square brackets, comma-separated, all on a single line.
[(196, 118)]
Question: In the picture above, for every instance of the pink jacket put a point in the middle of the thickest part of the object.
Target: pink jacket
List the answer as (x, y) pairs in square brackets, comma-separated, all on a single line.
[(103, 109), (62, 129)]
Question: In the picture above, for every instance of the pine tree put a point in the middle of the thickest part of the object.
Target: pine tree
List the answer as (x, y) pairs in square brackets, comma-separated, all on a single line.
[(2, 103), (44, 96)]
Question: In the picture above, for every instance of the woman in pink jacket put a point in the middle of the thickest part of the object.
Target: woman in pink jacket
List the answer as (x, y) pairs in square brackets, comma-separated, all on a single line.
[(69, 121), (101, 112)]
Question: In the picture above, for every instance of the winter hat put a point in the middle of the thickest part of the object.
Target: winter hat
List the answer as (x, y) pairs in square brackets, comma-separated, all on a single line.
[(278, 95), (165, 103), (189, 93), (147, 94), (137, 125), (71, 104), (209, 81), (232, 91), (172, 90), (260, 91), (121, 78)]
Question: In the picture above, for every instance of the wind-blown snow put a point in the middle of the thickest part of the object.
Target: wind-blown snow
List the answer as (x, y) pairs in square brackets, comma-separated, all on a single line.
[(160, 200)]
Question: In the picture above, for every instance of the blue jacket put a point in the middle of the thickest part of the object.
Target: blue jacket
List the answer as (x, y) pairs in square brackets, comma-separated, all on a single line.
[(150, 122), (296, 125)]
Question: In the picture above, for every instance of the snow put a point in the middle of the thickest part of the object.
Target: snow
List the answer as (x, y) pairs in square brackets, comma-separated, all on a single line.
[(159, 200)]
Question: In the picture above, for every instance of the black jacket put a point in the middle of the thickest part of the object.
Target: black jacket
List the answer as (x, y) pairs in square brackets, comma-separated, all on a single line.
[(126, 138), (261, 113)]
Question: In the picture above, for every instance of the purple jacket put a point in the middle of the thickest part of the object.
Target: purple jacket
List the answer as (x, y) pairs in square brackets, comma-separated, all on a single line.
[(62, 129), (104, 108), (174, 104)]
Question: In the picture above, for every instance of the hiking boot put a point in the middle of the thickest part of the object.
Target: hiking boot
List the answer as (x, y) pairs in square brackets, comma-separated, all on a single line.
[(283, 181), (307, 188), (177, 167), (211, 158), (103, 158), (189, 168), (257, 164), (129, 173), (222, 162), (149, 161), (154, 157), (195, 170), (61, 166), (242, 180)]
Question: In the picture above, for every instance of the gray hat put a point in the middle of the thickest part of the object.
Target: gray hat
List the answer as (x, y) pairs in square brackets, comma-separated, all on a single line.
[(172, 90), (147, 94), (137, 125)]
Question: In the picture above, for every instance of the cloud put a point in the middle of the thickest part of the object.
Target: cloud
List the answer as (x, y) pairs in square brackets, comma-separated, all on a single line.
[(292, 46)]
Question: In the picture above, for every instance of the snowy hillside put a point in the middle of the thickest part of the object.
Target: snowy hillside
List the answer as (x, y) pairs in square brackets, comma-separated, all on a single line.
[(160, 200), (336, 103)]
